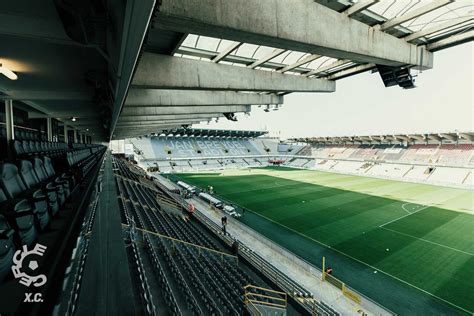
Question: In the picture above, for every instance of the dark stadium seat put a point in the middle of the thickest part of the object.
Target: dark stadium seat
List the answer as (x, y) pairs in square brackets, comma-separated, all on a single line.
[(38, 166), (7, 247), (21, 216), (18, 148), (67, 182), (15, 186), (41, 201), (10, 181)]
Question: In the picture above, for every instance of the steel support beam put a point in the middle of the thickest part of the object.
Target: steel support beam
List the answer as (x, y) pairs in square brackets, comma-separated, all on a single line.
[(305, 26), (439, 27), (451, 41), (335, 64), (276, 52), (159, 71), (226, 52), (156, 97), (351, 71), (360, 6), (300, 62), (410, 15)]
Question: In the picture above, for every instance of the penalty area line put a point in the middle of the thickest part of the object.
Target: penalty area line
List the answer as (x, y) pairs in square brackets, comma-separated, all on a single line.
[(401, 217), (429, 241)]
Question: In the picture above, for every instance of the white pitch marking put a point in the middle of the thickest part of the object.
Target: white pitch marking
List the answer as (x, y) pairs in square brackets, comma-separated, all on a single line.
[(429, 241), (396, 219)]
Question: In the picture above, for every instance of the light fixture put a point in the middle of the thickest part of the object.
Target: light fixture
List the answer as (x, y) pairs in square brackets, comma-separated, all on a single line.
[(73, 119), (8, 73)]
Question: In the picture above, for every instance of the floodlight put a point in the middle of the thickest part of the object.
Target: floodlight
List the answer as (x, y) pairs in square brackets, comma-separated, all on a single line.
[(8, 73)]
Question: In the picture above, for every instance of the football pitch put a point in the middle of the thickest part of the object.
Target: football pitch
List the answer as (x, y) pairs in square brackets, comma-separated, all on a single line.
[(420, 235)]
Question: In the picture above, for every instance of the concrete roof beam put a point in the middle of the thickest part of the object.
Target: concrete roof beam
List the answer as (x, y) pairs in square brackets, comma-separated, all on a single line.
[(159, 97), (307, 27), (165, 72)]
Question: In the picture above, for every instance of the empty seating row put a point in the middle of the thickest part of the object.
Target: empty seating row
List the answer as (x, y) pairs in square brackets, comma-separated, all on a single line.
[(23, 134), (27, 148), (208, 283), (81, 146), (83, 160), (30, 195)]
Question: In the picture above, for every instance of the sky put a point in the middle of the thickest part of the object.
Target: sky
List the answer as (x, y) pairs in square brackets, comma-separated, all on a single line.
[(441, 102)]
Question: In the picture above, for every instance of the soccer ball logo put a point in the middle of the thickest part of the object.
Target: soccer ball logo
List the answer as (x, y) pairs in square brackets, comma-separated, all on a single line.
[(18, 258)]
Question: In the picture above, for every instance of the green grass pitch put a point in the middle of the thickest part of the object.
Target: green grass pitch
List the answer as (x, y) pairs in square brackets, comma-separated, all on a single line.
[(391, 226)]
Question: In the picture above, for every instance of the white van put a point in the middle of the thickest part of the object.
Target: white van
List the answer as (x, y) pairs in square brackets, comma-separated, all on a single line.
[(230, 211)]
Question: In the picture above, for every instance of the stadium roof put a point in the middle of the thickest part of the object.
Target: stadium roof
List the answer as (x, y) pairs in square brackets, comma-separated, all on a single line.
[(214, 133), (162, 64), (392, 138)]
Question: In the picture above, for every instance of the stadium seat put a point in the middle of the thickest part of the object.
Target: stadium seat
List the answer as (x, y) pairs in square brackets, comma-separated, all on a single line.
[(21, 217), (40, 200), (18, 148), (10, 181), (40, 171), (23, 213), (14, 187), (66, 181)]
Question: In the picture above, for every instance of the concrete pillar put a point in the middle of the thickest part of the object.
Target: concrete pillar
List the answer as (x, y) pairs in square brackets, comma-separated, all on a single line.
[(75, 135), (9, 120), (49, 129), (65, 133)]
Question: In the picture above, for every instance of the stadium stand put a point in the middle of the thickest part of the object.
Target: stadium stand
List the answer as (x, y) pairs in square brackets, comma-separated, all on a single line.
[(173, 152), (191, 259), (41, 191), (416, 162), (441, 162)]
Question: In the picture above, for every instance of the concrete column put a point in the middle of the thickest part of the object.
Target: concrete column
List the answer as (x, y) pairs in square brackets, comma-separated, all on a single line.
[(65, 133), (75, 135), (9, 120), (49, 129)]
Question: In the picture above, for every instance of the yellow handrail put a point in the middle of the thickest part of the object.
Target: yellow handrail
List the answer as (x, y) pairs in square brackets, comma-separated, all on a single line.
[(251, 297)]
